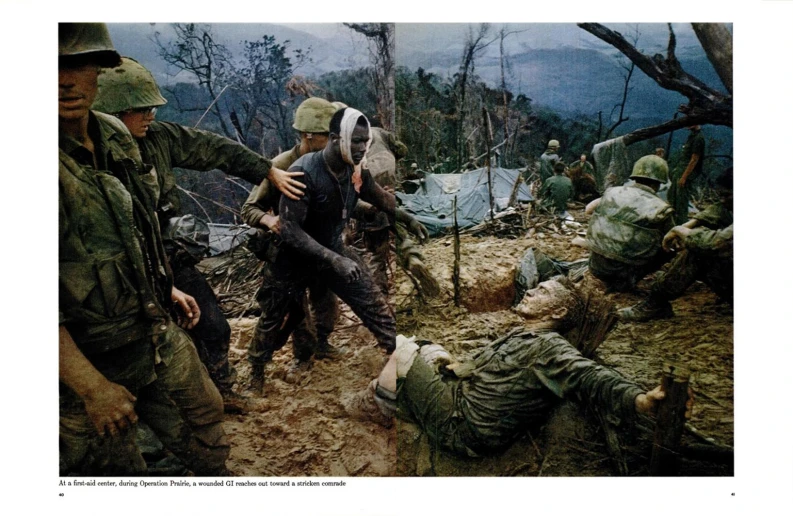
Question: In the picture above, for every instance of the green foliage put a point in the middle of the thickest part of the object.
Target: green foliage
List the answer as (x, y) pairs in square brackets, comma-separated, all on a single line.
[(353, 87)]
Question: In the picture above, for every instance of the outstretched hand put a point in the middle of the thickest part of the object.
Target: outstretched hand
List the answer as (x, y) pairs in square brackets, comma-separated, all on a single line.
[(648, 403), (419, 231), (190, 313), (286, 184), (347, 269)]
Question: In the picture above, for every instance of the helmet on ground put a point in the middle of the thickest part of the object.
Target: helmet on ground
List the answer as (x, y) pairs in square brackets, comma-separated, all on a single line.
[(553, 144), (651, 167), (87, 42), (130, 86), (313, 116)]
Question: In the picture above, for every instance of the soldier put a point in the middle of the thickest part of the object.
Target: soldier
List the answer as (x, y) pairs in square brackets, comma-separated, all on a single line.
[(483, 405), (310, 337), (627, 226), (704, 252), (548, 160), (130, 93), (313, 251), (679, 191), (121, 354), (582, 174), (556, 191)]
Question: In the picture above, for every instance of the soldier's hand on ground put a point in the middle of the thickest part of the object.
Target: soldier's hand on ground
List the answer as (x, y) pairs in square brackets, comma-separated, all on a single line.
[(347, 269), (286, 184), (272, 222), (418, 229), (111, 409), (190, 313)]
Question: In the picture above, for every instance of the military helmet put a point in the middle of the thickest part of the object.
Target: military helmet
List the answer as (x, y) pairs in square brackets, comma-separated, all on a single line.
[(86, 42), (651, 167), (130, 86), (313, 116), (553, 144)]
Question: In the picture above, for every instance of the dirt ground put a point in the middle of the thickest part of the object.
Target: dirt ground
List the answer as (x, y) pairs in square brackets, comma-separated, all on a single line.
[(299, 428)]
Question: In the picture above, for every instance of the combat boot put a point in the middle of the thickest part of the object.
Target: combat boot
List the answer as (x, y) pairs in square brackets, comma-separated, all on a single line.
[(256, 382), (234, 403), (326, 351), (647, 310), (296, 369), (363, 405)]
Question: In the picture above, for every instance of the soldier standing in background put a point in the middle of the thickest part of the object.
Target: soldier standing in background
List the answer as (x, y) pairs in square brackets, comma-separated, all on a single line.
[(685, 172)]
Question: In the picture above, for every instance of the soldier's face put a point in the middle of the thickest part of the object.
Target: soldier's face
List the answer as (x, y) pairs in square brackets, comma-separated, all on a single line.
[(546, 301), (358, 141), (138, 120), (316, 141), (77, 88)]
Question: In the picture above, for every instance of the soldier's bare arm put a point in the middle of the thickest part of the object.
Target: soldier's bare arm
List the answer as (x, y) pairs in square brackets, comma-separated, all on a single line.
[(109, 405)]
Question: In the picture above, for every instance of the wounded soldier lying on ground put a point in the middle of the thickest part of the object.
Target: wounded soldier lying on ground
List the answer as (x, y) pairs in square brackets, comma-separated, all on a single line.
[(485, 404)]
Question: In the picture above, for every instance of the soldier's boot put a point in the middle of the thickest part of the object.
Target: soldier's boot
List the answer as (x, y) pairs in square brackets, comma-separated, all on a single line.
[(296, 369), (326, 351), (429, 285), (647, 310), (363, 405), (234, 403), (256, 382)]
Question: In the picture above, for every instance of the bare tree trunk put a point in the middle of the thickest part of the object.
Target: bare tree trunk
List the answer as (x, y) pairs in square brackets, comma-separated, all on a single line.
[(716, 40)]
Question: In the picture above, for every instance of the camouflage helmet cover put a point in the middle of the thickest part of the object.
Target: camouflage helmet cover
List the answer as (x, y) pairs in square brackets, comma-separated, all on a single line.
[(313, 116), (130, 86), (87, 42), (651, 167)]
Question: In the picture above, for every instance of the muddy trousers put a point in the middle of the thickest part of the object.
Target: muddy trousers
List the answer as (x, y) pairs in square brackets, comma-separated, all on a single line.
[(690, 266), (181, 405), (212, 333), (378, 243), (623, 277), (283, 303), (512, 385), (678, 197)]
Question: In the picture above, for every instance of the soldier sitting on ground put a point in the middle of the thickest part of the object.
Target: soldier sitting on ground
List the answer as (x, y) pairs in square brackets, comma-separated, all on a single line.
[(582, 174), (483, 405), (704, 252), (627, 226), (557, 191)]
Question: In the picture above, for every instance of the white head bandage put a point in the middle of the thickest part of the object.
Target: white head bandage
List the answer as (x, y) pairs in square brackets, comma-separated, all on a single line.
[(348, 123)]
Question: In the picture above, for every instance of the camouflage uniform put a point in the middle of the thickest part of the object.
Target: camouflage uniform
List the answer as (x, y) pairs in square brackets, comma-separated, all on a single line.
[(556, 191), (707, 256), (678, 196), (506, 388), (114, 298), (168, 146), (625, 234)]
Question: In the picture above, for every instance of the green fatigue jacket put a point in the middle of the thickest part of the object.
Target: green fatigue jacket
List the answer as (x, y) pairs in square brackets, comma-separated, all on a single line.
[(265, 197), (547, 161), (510, 385), (629, 224), (557, 190), (695, 144), (585, 168), (167, 146), (114, 281), (716, 235)]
